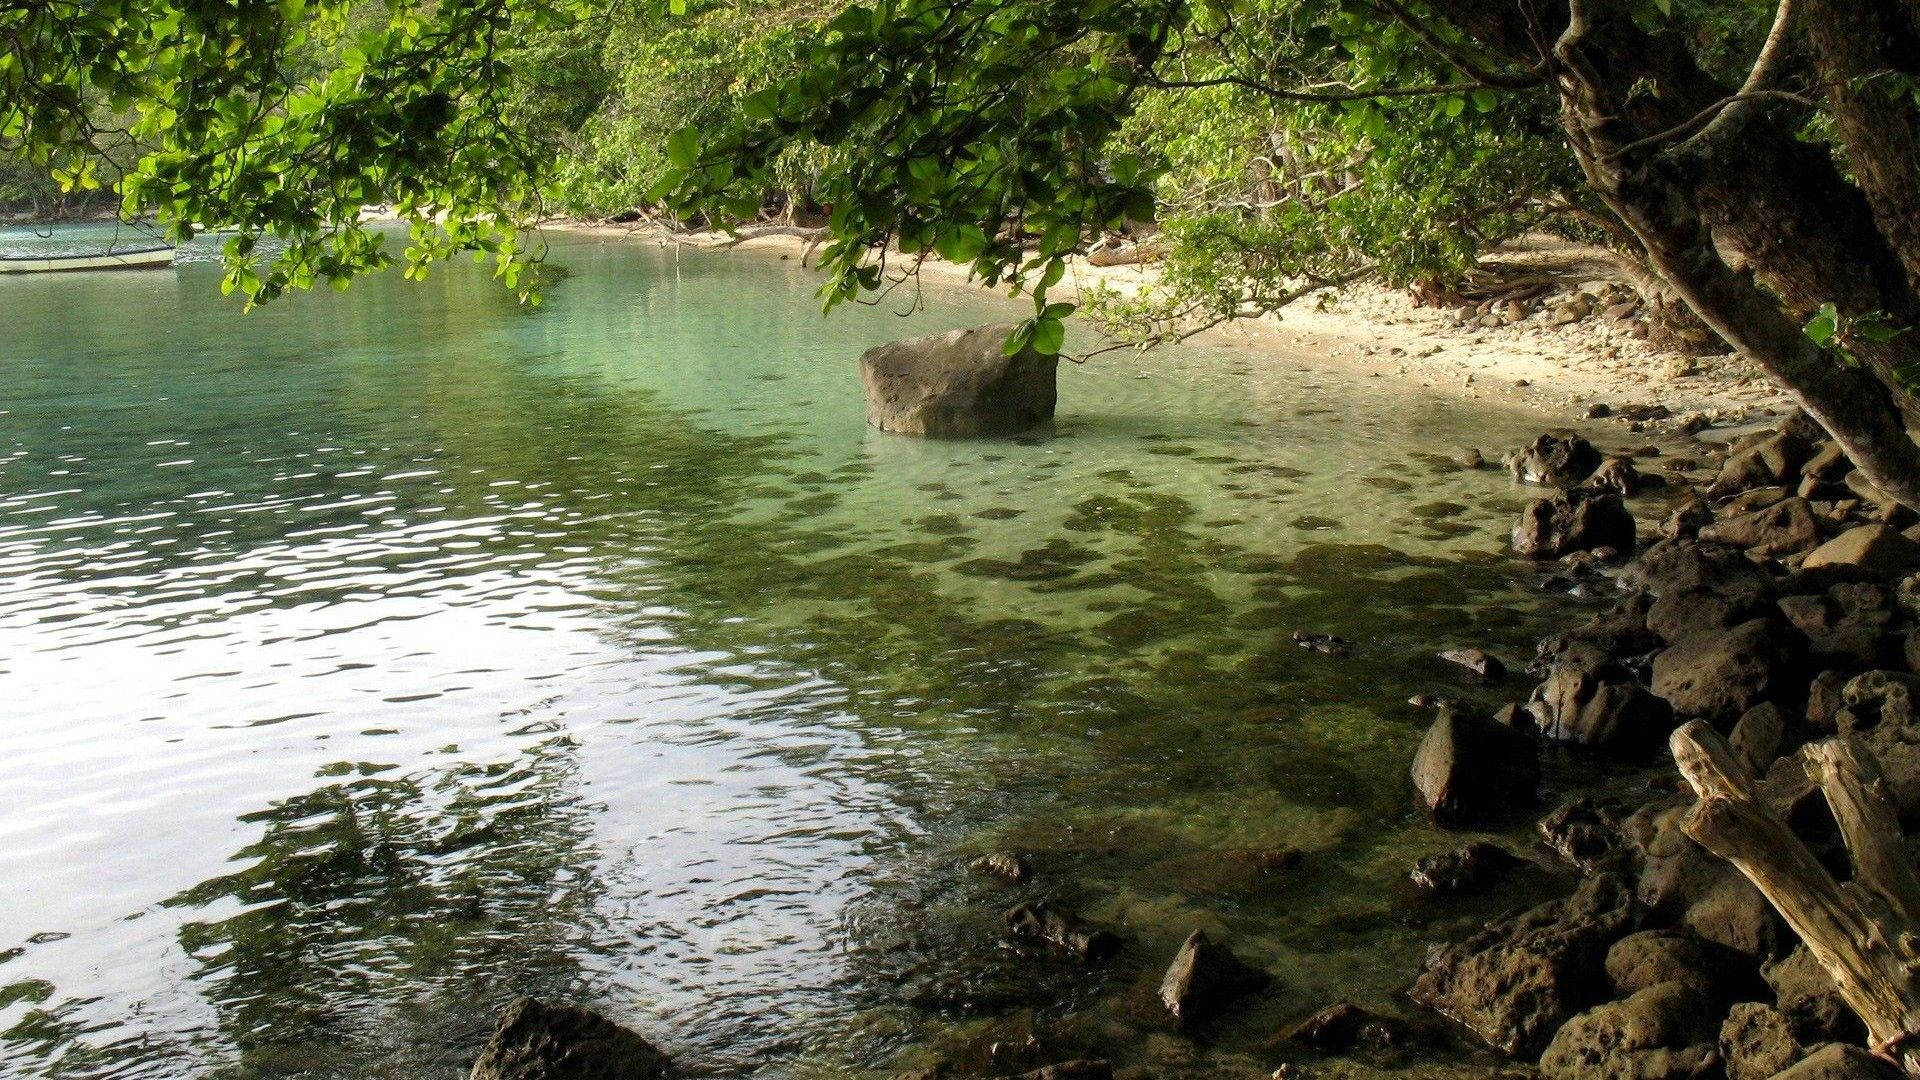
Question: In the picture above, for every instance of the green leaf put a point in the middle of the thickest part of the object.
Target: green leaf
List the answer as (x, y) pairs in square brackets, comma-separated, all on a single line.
[(683, 147), (1825, 324), (1049, 333), (1022, 336), (961, 243)]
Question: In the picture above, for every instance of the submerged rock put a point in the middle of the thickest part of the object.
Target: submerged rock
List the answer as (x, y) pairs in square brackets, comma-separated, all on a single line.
[(959, 383), (1204, 976), (1004, 865), (1344, 1026), (1478, 661), (1040, 923), (1470, 869), (537, 1041), (1584, 830)]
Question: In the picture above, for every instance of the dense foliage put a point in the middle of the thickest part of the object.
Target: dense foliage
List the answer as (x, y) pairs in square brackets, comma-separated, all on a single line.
[(1758, 159)]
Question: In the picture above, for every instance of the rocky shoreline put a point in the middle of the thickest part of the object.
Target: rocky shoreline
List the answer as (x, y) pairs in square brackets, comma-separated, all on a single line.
[(1777, 599)]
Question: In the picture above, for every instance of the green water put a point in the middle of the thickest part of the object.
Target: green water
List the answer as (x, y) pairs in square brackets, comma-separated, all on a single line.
[(373, 658)]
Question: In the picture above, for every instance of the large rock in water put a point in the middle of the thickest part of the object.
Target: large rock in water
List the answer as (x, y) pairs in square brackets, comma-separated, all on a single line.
[(1554, 460), (1470, 769), (537, 1041), (960, 383), (1206, 976), (1574, 521)]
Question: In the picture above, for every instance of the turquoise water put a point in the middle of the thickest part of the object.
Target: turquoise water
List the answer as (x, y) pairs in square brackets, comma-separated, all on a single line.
[(373, 658)]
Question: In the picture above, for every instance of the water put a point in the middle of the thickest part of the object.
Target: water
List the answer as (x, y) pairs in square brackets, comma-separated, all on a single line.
[(373, 658)]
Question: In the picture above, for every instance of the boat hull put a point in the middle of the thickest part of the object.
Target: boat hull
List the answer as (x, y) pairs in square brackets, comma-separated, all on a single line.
[(149, 259)]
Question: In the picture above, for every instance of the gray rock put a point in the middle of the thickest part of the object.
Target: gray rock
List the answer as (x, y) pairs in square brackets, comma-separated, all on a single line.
[(958, 384), (537, 1041), (1204, 977), (1665, 1032)]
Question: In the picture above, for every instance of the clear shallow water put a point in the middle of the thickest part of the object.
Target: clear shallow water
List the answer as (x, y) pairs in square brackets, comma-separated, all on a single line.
[(372, 658)]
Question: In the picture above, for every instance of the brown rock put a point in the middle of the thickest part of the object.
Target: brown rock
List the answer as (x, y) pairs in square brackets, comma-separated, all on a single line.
[(1514, 983), (1665, 1032), (1470, 769), (1874, 549), (1574, 521), (1756, 1042), (1204, 977), (1038, 922), (537, 1041), (1718, 676)]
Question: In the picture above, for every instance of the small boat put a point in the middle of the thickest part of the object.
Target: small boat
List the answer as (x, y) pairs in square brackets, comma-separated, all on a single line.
[(137, 259)]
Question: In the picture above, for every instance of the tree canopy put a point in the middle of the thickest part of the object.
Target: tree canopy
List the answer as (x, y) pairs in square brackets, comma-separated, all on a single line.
[(1758, 161)]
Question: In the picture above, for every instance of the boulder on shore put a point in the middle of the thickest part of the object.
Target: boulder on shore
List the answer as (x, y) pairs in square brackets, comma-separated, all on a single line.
[(958, 384), (1665, 1032), (1514, 983), (1875, 549), (1718, 676), (537, 1041)]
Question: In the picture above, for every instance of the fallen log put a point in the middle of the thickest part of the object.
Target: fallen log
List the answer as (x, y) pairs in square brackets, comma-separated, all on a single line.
[(1865, 932)]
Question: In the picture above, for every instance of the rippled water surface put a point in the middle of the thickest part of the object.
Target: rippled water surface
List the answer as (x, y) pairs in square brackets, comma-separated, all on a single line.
[(373, 658)]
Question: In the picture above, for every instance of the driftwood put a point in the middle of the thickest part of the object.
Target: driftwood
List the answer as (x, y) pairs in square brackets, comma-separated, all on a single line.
[(1864, 932)]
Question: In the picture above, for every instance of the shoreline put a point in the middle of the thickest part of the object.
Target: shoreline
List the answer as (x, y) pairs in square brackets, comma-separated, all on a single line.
[(1566, 372)]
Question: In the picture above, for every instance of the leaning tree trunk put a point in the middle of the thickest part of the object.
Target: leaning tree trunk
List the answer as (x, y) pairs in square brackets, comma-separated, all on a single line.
[(1865, 933), (1685, 162)]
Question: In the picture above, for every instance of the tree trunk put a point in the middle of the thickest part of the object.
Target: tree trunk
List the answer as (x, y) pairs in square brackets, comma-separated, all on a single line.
[(1633, 103)]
